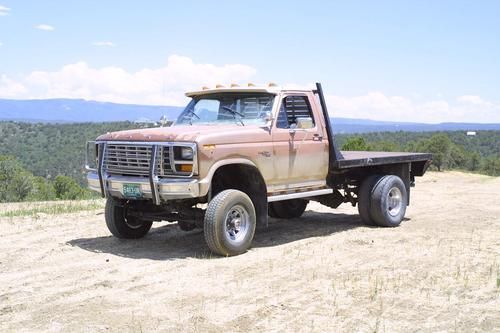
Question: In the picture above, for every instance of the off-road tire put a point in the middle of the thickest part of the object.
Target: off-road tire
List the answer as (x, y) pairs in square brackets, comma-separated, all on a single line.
[(121, 225), (389, 201), (365, 198), (221, 218), (270, 210), (289, 208)]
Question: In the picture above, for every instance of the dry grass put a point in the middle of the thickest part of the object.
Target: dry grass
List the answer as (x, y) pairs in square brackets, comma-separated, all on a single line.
[(37, 209), (439, 271)]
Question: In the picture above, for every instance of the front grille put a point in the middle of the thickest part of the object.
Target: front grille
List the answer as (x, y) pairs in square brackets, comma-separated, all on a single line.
[(167, 165), (134, 160)]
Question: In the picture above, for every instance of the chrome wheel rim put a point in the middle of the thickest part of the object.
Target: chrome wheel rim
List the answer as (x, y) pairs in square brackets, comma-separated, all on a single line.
[(394, 201), (236, 224), (132, 223)]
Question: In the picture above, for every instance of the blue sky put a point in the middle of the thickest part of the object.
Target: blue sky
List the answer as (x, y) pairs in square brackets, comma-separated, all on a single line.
[(406, 60)]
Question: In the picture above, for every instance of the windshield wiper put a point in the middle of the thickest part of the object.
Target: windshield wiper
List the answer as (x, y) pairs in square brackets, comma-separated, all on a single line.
[(234, 113), (191, 112)]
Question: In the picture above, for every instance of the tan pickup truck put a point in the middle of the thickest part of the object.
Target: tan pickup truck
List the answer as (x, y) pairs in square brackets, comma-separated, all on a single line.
[(237, 155)]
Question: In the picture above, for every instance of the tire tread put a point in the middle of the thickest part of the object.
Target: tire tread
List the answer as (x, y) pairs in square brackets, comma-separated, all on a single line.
[(211, 230)]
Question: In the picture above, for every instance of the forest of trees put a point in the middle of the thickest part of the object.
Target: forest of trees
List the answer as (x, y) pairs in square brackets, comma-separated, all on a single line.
[(451, 150), (46, 161)]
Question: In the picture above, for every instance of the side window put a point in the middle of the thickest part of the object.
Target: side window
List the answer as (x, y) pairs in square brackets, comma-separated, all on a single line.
[(293, 107)]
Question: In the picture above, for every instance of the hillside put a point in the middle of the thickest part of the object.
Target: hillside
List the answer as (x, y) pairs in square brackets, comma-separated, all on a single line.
[(49, 150), (437, 272)]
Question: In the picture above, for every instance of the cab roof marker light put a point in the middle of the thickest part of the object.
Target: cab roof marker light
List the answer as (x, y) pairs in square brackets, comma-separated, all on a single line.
[(205, 88), (272, 84), (251, 84), (219, 86), (234, 85)]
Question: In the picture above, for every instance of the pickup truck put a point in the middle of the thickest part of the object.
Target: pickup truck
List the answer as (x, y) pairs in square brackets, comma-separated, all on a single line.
[(237, 155)]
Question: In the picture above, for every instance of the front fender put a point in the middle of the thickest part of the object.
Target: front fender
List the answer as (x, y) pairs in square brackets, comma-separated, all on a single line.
[(207, 180)]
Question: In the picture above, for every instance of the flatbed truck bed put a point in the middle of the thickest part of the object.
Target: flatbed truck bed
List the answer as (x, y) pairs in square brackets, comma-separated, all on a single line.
[(353, 159)]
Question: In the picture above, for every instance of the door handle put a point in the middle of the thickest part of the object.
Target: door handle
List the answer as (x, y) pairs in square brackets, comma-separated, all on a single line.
[(317, 137)]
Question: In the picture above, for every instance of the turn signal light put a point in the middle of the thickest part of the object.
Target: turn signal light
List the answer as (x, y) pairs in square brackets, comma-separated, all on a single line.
[(184, 167)]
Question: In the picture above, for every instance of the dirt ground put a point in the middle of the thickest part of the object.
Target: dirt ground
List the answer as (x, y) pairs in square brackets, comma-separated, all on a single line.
[(437, 272)]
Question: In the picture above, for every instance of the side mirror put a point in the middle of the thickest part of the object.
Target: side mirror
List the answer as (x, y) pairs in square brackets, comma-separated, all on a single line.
[(268, 117), (305, 123), (163, 121)]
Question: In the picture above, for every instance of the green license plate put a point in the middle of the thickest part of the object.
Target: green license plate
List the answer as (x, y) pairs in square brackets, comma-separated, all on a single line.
[(132, 190)]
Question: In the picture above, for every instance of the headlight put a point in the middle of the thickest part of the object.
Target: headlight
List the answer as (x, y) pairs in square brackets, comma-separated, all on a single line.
[(183, 153), (184, 161), (186, 153)]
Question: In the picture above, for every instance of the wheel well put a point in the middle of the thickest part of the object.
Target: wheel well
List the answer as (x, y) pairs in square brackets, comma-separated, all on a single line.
[(245, 178)]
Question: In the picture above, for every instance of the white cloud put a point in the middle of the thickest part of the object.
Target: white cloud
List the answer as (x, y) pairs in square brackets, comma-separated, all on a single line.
[(163, 86), (104, 44), (378, 106), (10, 88), (166, 86), (1, 44), (45, 27), (4, 11)]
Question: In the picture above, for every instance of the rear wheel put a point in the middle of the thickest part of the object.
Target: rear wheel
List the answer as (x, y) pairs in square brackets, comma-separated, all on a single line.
[(388, 202), (365, 198), (270, 211), (230, 222), (288, 209), (121, 224)]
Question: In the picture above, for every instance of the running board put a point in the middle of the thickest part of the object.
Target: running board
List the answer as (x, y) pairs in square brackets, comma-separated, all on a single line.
[(297, 195)]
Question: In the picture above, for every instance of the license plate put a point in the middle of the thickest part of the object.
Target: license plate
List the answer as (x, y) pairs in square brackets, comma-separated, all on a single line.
[(132, 190)]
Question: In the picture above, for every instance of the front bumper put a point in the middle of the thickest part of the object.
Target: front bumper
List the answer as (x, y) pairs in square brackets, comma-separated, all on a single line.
[(165, 188)]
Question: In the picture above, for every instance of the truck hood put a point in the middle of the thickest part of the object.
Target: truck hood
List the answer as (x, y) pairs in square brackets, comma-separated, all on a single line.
[(201, 134)]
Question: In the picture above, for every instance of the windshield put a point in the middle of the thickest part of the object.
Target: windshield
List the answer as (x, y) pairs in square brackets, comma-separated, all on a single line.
[(227, 108)]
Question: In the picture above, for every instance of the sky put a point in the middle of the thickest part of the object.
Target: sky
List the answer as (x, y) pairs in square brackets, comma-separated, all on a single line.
[(425, 61)]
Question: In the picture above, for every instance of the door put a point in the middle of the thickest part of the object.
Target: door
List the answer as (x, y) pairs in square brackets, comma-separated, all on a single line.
[(300, 146)]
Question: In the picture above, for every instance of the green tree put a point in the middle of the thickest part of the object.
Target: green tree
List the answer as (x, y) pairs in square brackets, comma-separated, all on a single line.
[(355, 143), (473, 161), (384, 145), (439, 145), (43, 190), (491, 166), (458, 157), (15, 182), (67, 188)]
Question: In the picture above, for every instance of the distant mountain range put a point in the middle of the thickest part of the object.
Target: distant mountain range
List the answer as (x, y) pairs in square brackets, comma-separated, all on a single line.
[(79, 110)]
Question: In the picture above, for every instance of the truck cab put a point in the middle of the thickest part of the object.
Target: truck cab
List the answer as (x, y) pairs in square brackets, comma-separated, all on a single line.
[(235, 156)]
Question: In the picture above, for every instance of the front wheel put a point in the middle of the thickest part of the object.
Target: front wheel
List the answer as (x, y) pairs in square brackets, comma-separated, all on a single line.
[(121, 224), (229, 224)]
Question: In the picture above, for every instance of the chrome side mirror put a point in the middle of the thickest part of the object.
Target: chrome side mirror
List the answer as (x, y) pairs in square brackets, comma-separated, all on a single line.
[(305, 123), (163, 121)]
